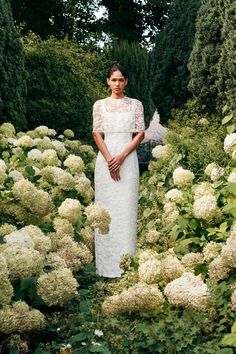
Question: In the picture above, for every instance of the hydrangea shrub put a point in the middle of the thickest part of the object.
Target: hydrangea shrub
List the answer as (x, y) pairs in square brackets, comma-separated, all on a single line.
[(47, 222)]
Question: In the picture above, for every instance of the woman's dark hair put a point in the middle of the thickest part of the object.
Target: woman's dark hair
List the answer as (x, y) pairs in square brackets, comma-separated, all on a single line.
[(117, 67)]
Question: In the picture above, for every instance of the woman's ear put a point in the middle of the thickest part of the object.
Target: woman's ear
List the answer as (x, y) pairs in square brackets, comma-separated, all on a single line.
[(108, 81)]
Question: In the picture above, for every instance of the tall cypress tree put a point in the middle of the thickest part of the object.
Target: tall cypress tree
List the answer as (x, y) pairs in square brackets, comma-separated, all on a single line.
[(137, 60), (227, 61), (204, 59), (170, 58), (12, 72)]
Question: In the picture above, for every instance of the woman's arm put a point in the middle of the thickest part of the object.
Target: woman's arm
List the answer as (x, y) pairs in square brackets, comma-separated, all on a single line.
[(115, 162), (98, 138)]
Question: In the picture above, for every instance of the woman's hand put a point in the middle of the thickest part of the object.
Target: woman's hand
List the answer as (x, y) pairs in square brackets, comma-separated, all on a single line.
[(116, 161), (115, 175)]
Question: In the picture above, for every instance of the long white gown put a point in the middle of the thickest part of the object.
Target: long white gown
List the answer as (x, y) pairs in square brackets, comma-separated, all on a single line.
[(118, 119)]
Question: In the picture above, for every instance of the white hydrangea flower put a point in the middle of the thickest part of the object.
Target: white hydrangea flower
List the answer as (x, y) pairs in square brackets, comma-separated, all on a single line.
[(16, 175), (49, 157), (23, 262), (43, 130), (206, 207), (233, 300), (147, 255), (57, 287), (182, 177), (98, 217), (190, 260), (150, 271), (174, 195), (218, 269), (203, 122), (140, 297), (209, 168), (6, 229), (24, 141), (60, 148), (69, 133), (37, 201), (171, 213), (230, 143), (19, 239), (3, 166), (188, 290), (232, 177), (161, 151), (216, 173), (203, 189), (171, 267), (58, 176), (152, 236), (12, 141), (35, 154), (211, 251), (70, 209), (6, 289), (74, 163), (18, 318), (228, 251)]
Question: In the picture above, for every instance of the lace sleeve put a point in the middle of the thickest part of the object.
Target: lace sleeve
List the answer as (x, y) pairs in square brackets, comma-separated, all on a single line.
[(97, 117), (139, 117)]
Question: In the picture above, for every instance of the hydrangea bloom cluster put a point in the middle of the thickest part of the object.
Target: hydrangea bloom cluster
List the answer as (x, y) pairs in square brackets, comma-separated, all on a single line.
[(152, 236), (182, 178), (74, 163), (206, 208), (203, 189), (57, 287), (171, 213), (98, 217), (232, 177), (161, 152), (35, 200), (19, 318), (140, 297), (174, 195), (70, 209), (188, 290), (230, 143)]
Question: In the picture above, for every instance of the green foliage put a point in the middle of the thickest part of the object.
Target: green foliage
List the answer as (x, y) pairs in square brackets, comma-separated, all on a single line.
[(137, 60), (12, 71), (211, 61), (170, 58), (135, 20), (199, 139), (205, 56), (75, 19), (226, 66), (62, 85)]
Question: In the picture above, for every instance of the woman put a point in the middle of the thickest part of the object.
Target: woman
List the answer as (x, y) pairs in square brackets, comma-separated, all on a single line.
[(118, 128)]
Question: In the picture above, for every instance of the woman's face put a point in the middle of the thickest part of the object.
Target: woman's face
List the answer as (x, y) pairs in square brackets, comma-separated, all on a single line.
[(117, 83)]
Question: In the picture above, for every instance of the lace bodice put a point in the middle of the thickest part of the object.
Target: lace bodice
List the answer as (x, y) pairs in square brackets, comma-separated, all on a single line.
[(118, 115)]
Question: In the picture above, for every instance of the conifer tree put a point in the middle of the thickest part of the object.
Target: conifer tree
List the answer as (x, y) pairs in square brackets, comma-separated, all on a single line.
[(227, 61), (170, 58), (137, 60), (12, 72), (205, 56)]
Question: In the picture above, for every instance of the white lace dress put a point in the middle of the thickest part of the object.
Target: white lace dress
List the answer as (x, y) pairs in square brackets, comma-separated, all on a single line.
[(118, 119)]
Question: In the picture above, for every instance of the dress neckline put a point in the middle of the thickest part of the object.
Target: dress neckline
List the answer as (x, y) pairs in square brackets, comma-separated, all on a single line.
[(116, 99)]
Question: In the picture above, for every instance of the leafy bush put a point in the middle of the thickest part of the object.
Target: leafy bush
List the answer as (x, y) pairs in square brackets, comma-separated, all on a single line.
[(62, 85)]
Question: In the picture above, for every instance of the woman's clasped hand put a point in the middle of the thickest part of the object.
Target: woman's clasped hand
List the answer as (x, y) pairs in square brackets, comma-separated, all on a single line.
[(114, 166)]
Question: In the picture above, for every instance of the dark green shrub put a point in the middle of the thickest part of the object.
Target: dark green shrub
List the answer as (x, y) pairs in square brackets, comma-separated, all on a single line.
[(62, 85), (12, 71)]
